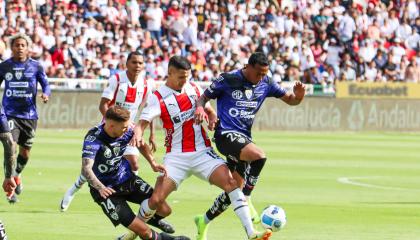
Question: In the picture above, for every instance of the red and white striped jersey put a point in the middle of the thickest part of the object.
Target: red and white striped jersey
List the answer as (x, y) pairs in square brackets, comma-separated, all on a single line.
[(176, 110), (131, 97)]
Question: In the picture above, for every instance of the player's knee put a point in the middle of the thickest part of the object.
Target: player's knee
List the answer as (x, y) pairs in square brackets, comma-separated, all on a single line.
[(256, 154), (231, 184)]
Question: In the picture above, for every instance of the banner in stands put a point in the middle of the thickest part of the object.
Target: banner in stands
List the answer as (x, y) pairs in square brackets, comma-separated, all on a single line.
[(80, 110), (378, 90)]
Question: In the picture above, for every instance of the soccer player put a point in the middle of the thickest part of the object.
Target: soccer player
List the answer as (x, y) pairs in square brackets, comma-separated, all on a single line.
[(128, 89), (111, 180), (188, 149), (21, 76), (240, 95)]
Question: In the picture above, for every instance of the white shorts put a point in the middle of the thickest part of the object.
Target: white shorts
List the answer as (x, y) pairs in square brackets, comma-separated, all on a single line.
[(131, 150), (180, 166)]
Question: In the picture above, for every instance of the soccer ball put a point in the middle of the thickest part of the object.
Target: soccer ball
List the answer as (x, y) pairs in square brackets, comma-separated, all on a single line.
[(274, 218)]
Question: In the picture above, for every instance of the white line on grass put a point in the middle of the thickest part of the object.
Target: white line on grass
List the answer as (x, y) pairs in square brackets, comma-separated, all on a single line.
[(352, 181)]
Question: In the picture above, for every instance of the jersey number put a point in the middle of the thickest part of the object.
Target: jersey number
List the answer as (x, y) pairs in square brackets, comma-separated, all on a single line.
[(109, 206), (11, 124)]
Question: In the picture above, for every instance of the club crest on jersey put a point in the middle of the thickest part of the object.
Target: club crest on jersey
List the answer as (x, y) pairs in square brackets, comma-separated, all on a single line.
[(117, 150), (107, 153), (9, 76), (18, 75), (248, 93), (237, 94)]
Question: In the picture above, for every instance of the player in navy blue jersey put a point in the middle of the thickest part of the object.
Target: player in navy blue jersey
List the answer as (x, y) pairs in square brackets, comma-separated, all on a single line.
[(21, 76), (240, 95), (6, 138), (111, 180)]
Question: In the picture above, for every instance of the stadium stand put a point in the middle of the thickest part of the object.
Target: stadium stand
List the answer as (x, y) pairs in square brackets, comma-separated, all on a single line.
[(317, 42)]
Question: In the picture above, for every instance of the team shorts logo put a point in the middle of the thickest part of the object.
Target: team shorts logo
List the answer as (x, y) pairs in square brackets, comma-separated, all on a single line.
[(9, 76), (248, 93), (18, 75), (237, 94)]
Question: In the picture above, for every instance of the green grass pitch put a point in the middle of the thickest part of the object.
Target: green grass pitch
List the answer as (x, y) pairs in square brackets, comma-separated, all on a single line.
[(379, 199)]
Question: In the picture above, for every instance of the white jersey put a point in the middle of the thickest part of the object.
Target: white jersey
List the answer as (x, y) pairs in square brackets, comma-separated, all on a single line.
[(176, 110), (129, 96)]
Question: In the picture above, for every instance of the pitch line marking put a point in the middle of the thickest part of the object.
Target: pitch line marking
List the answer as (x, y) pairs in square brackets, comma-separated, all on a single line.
[(352, 181)]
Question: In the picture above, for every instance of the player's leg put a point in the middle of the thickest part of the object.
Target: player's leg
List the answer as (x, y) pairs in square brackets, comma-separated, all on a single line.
[(71, 192), (25, 140), (256, 156), (141, 190), (222, 178)]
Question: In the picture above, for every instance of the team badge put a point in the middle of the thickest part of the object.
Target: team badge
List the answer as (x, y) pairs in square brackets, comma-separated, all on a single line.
[(107, 153), (248, 93), (117, 150), (18, 75), (9, 76), (237, 94)]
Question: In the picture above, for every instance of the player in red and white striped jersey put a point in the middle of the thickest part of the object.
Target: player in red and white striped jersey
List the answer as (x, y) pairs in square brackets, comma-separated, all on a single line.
[(128, 89), (188, 149)]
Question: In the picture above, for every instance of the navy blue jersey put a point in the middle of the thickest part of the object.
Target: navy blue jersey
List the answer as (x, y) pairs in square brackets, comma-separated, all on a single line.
[(109, 166), (238, 100), (20, 87)]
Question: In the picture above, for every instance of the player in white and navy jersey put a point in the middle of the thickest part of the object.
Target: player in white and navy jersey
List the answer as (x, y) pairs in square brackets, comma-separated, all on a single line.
[(129, 90), (239, 95), (111, 180), (188, 149)]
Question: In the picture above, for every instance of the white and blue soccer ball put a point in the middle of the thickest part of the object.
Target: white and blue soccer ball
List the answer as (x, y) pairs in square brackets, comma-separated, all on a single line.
[(274, 218)]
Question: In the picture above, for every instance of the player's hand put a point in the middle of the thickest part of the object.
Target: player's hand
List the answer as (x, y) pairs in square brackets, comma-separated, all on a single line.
[(106, 192), (158, 168), (200, 115), (299, 90), (212, 120), (152, 143), (44, 97), (137, 139), (9, 185)]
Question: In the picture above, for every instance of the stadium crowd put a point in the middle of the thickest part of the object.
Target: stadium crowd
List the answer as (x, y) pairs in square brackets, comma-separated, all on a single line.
[(313, 41)]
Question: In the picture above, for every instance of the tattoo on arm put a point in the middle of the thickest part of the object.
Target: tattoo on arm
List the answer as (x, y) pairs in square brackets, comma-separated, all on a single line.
[(90, 176), (9, 154)]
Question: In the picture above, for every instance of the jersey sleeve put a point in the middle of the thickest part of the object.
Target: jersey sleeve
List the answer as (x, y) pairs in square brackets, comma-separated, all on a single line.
[(41, 77), (109, 91), (90, 147), (275, 90), (152, 109), (216, 88)]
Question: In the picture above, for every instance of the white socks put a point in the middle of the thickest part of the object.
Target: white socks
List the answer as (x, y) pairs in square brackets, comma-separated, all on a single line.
[(78, 184), (240, 206), (145, 212)]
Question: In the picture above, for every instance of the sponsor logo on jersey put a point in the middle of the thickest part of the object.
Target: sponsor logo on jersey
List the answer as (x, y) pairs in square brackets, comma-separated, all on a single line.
[(9, 76), (18, 93), (246, 104), (18, 75), (19, 84), (112, 162), (90, 138), (184, 116), (9, 93), (248, 93), (233, 112), (237, 94)]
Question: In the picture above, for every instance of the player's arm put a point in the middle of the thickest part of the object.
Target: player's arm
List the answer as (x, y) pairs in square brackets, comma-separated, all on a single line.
[(104, 105), (204, 110), (42, 79), (152, 141), (147, 153), (91, 178), (295, 97), (9, 161)]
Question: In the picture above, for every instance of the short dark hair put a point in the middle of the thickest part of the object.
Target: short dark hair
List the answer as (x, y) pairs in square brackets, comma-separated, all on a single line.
[(258, 58), (117, 114), (134, 53), (179, 62)]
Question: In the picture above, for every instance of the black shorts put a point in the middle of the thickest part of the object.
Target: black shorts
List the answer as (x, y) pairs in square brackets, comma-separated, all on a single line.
[(230, 145), (23, 130), (115, 207)]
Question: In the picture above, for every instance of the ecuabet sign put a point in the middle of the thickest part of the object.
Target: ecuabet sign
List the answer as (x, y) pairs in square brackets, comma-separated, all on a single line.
[(378, 90)]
